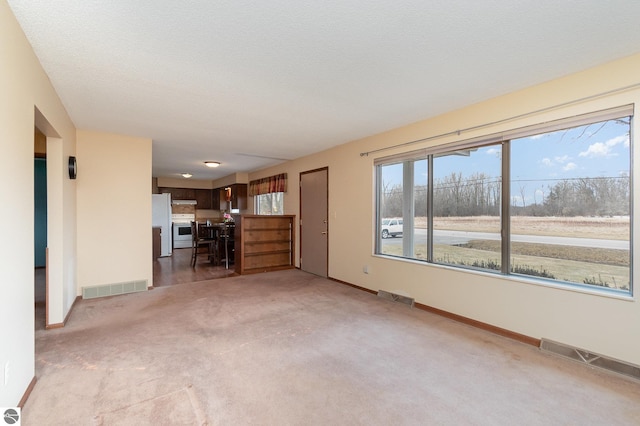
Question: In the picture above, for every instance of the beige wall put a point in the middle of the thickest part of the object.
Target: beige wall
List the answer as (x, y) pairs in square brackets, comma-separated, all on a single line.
[(114, 209), (606, 325), (84, 239), (164, 182), (25, 87), (231, 179)]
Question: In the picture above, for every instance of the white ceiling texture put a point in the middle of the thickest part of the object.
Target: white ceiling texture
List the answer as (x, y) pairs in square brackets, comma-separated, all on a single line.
[(251, 83)]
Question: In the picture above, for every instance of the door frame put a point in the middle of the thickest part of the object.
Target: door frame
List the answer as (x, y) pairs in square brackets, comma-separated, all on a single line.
[(320, 169)]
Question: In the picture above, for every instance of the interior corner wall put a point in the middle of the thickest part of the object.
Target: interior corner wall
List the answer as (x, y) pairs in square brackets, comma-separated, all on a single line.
[(239, 177), (25, 87), (605, 325), (114, 209)]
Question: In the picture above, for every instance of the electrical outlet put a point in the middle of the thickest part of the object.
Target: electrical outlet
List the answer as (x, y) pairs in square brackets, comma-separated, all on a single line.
[(365, 269)]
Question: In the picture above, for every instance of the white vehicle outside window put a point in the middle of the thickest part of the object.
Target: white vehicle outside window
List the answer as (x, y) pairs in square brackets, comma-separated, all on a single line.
[(391, 228)]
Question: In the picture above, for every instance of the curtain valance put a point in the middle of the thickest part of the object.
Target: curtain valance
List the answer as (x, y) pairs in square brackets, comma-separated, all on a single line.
[(277, 183)]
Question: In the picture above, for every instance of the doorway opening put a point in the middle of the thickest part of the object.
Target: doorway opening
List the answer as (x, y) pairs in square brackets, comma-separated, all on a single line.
[(40, 228)]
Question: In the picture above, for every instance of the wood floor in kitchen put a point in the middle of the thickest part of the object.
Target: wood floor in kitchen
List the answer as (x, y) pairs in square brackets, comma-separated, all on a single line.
[(176, 269)]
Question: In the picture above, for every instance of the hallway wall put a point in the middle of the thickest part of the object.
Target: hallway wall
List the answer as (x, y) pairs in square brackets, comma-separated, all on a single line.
[(29, 101)]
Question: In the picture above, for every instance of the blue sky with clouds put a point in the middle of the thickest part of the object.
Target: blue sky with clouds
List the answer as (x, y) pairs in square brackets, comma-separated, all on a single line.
[(538, 162), (595, 150)]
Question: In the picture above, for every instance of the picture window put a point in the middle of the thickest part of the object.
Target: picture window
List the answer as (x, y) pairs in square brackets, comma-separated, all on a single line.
[(550, 202)]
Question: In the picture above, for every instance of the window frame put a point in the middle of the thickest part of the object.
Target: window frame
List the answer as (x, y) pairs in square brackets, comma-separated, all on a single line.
[(504, 139)]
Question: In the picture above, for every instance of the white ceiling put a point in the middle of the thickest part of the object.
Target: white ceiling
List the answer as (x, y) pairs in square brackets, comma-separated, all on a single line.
[(249, 82)]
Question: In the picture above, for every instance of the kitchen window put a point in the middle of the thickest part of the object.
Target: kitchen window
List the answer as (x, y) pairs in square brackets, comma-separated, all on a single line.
[(268, 194), (549, 202), (269, 204)]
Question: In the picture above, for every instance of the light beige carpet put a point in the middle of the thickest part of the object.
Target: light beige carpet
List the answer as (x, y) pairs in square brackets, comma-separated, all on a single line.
[(179, 407), (289, 348)]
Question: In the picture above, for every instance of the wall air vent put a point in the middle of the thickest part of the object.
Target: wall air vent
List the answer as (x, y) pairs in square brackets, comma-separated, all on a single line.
[(590, 358), (114, 289), (396, 298)]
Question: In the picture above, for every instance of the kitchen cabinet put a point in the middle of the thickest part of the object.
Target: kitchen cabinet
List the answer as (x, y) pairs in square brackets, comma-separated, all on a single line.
[(264, 243), (180, 193), (238, 197), (211, 199), (215, 199), (203, 198), (222, 194)]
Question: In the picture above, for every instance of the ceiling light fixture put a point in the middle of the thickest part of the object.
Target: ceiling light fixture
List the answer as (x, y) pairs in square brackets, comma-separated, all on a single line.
[(186, 175), (211, 163)]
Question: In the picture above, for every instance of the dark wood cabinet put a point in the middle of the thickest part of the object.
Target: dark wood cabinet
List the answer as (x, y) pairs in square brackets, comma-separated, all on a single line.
[(184, 193), (222, 194), (215, 199), (180, 193), (203, 198), (237, 196), (264, 243)]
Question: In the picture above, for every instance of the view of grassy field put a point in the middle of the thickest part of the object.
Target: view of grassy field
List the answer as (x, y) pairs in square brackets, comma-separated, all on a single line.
[(611, 228), (588, 265)]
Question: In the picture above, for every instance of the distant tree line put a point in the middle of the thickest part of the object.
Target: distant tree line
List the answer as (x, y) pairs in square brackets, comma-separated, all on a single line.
[(479, 195), (598, 196)]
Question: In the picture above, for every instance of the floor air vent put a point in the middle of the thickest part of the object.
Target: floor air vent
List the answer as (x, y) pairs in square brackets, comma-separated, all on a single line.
[(591, 358), (114, 289), (396, 297)]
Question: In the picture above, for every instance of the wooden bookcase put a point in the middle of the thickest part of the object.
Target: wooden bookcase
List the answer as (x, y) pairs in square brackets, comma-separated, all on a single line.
[(264, 243)]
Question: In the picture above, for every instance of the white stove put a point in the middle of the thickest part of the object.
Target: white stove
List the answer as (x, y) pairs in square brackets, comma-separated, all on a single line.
[(182, 229), (183, 217)]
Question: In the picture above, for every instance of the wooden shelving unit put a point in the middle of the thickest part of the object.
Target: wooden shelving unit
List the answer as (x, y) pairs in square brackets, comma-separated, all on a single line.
[(264, 243)]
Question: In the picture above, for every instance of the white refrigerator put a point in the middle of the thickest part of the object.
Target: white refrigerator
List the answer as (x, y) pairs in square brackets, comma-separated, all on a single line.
[(161, 209)]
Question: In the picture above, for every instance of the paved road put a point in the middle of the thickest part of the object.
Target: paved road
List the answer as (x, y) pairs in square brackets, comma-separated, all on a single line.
[(462, 237)]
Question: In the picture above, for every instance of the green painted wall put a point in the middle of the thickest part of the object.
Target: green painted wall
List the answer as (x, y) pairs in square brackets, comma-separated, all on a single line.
[(40, 217)]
